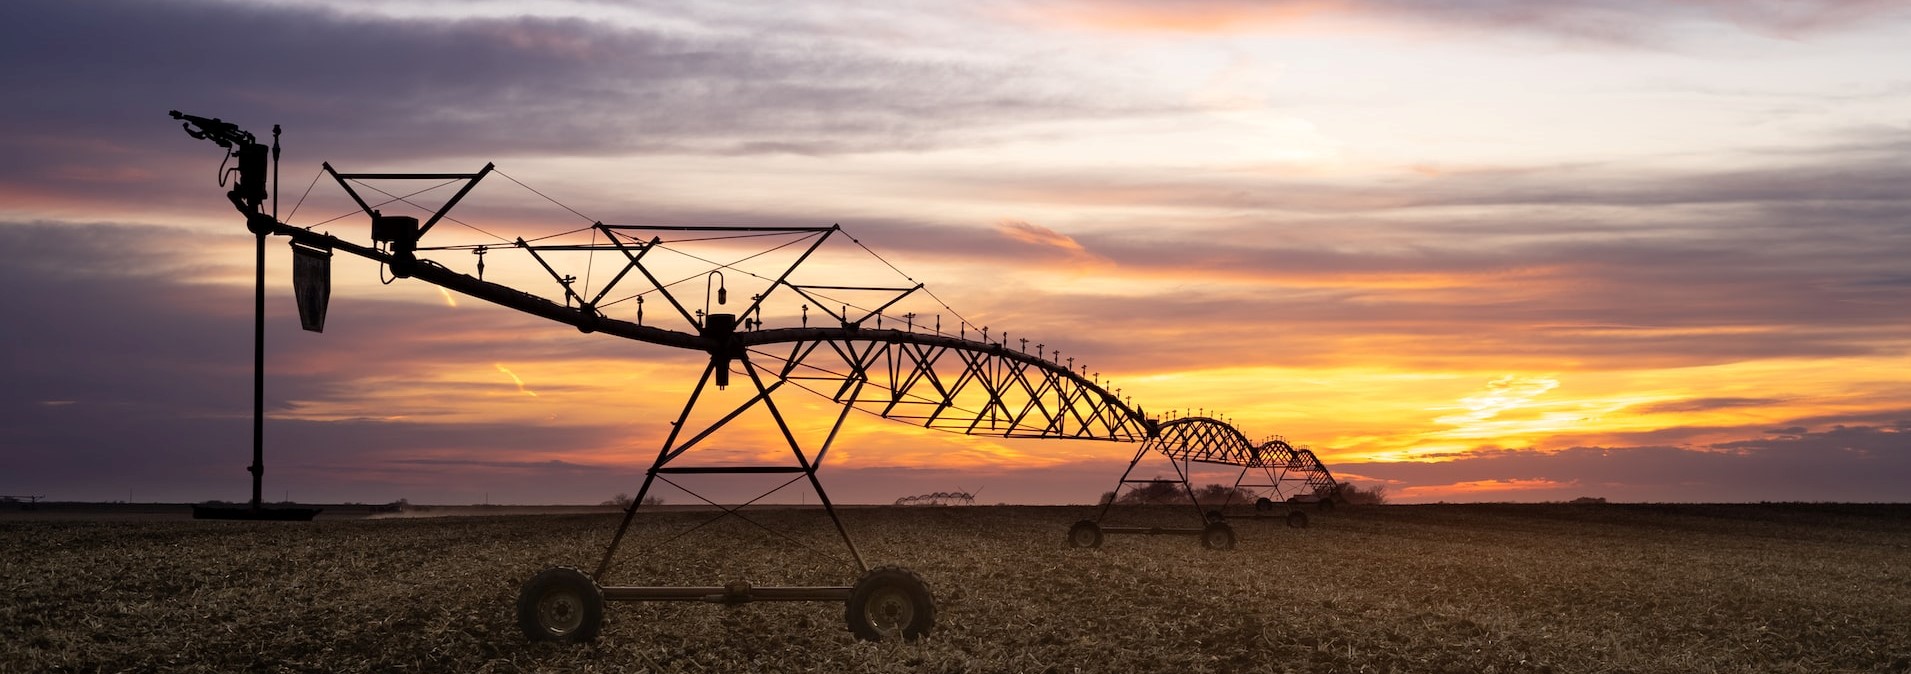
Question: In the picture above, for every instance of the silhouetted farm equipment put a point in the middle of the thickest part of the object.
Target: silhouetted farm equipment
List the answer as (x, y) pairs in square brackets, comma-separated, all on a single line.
[(938, 498), (23, 502), (1287, 475), (859, 355)]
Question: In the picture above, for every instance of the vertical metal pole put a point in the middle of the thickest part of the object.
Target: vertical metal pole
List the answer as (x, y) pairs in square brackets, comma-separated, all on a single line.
[(258, 374)]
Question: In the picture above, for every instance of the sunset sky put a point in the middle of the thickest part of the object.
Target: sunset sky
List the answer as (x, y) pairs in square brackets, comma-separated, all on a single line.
[(1465, 250)]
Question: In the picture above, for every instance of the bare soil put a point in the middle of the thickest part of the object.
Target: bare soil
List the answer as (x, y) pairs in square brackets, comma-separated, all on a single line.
[(1434, 588)]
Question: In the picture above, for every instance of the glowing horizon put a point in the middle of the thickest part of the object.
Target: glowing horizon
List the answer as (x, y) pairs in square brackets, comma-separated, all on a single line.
[(1583, 249)]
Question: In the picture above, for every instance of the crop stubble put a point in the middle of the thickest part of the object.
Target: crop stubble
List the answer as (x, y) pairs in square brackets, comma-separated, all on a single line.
[(1445, 588)]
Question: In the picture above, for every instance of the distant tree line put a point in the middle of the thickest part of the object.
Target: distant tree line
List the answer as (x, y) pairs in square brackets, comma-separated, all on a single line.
[(622, 500), (1168, 492), (1353, 494)]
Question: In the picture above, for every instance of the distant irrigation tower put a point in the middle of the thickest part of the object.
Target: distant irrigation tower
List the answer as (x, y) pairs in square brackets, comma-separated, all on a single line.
[(939, 498)]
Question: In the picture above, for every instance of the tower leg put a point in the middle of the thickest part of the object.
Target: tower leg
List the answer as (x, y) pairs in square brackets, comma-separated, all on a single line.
[(663, 457), (1116, 494), (810, 467)]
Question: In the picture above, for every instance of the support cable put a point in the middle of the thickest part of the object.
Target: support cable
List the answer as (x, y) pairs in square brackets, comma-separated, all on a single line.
[(413, 204), (735, 512), (308, 192), (547, 197), (381, 204), (732, 265), (475, 246), (727, 238), (905, 275), (718, 265)]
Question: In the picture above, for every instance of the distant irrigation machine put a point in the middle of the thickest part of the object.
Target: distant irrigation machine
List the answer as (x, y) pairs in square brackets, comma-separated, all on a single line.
[(1273, 473), (858, 356)]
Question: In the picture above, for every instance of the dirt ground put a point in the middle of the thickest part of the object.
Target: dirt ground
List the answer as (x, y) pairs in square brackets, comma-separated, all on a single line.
[(1431, 588)]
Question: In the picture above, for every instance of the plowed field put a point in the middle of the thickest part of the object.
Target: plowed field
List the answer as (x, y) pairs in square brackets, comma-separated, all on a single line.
[(1460, 588)]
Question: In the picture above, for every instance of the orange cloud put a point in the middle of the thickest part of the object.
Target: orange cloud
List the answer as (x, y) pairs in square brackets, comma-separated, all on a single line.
[(1501, 395), (1037, 235), (1479, 489)]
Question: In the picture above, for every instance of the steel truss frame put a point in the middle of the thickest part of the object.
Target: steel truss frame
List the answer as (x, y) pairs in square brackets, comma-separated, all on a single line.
[(1187, 441), (1292, 474)]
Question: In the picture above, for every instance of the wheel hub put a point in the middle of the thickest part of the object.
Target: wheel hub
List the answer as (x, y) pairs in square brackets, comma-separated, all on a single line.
[(890, 610), (561, 612)]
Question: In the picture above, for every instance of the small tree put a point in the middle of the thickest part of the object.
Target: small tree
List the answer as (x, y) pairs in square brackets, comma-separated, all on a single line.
[(1218, 494), (1161, 492), (1354, 495), (1155, 493), (623, 500)]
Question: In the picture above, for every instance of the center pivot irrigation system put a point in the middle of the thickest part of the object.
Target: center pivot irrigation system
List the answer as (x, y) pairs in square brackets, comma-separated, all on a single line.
[(964, 381), (1273, 467)]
